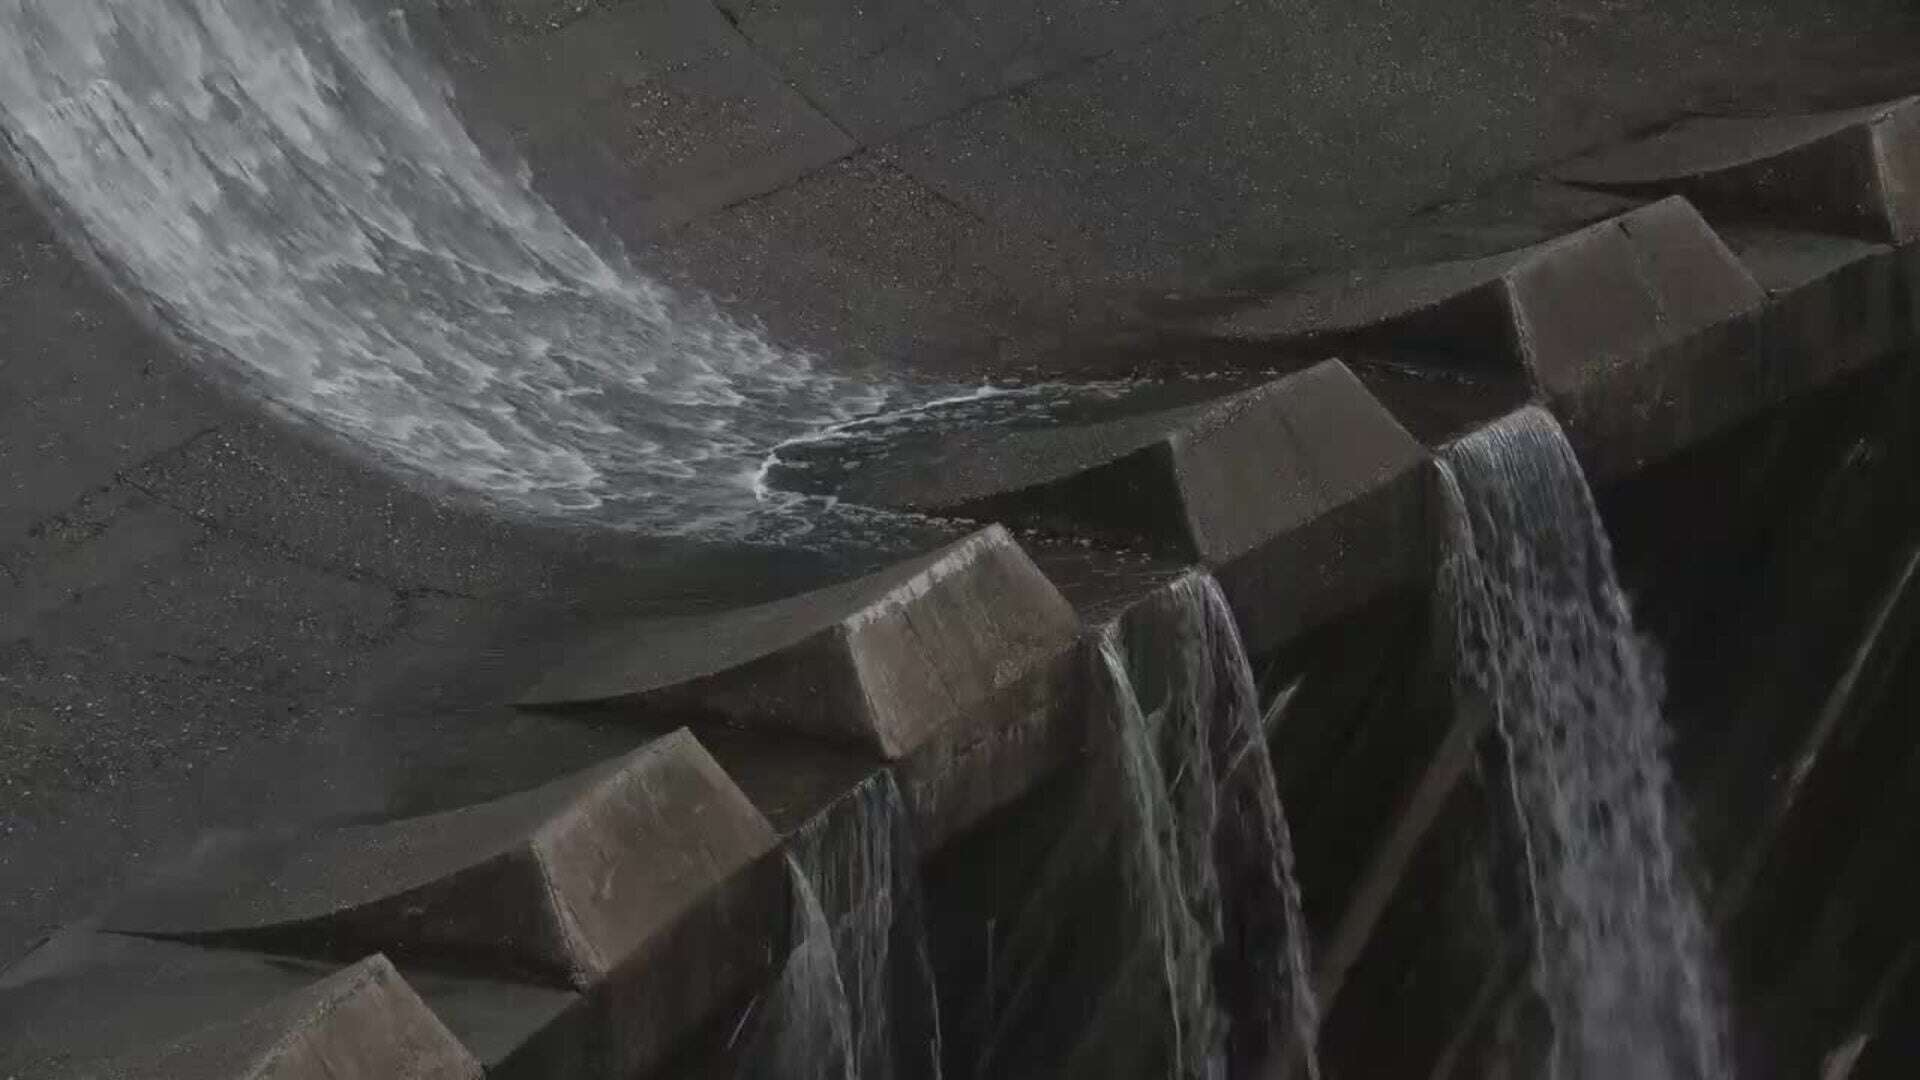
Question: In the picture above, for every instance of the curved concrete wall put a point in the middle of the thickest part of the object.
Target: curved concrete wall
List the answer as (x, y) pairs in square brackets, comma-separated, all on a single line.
[(637, 905)]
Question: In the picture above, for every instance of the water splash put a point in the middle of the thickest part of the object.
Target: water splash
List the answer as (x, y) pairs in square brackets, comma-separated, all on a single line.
[(285, 186), (1621, 953), (860, 860)]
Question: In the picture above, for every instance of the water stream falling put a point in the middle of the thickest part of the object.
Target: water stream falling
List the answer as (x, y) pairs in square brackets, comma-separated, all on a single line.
[(1621, 953), (856, 1000), (863, 865), (1214, 950), (803, 1028), (286, 186)]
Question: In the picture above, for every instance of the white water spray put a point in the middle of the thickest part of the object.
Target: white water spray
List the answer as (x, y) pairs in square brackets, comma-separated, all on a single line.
[(1621, 953), (285, 185)]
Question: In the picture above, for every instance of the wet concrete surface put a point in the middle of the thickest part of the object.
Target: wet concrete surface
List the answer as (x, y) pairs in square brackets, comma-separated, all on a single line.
[(212, 619)]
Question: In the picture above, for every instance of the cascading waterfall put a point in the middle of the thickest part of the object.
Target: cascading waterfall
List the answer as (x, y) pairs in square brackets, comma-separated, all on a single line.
[(1209, 850), (286, 186), (856, 1000), (1546, 641), (803, 1029), (863, 866), (1171, 867)]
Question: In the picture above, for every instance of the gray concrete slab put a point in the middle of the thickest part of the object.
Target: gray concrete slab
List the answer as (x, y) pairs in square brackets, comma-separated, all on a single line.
[(363, 1023), (1304, 494), (510, 1028), (1641, 331), (947, 664), (75, 365), (638, 116), (1271, 137), (882, 71), (882, 271), (1834, 304), (657, 152), (1855, 171), (649, 883), (100, 1005), (876, 69), (1642, 334)]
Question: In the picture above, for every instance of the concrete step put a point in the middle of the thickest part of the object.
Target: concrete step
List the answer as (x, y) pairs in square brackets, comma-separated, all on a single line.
[(1835, 304), (649, 885), (955, 666), (94, 1005), (1855, 172), (1304, 495), (1642, 332)]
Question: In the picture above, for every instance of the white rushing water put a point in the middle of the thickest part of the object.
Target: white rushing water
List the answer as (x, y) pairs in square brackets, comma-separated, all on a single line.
[(1210, 851), (1621, 952), (285, 184)]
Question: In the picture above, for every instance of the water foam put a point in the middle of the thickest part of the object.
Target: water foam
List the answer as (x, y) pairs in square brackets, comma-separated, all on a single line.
[(286, 186)]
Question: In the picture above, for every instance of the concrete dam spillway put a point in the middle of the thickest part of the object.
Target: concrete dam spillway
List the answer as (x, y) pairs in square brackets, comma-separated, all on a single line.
[(803, 541), (288, 188)]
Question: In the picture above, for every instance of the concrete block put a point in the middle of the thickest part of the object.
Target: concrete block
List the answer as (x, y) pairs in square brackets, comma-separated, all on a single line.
[(1835, 304), (649, 883), (1855, 172), (515, 1029), (1304, 495), (1343, 506), (99, 1005), (1642, 331), (952, 665), (363, 1023)]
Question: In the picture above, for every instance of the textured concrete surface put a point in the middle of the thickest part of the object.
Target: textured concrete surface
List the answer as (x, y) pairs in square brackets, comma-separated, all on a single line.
[(1640, 331), (1001, 176), (949, 664), (103, 1006), (1834, 304), (363, 1023), (210, 620), (1305, 495), (1855, 172), (649, 883)]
